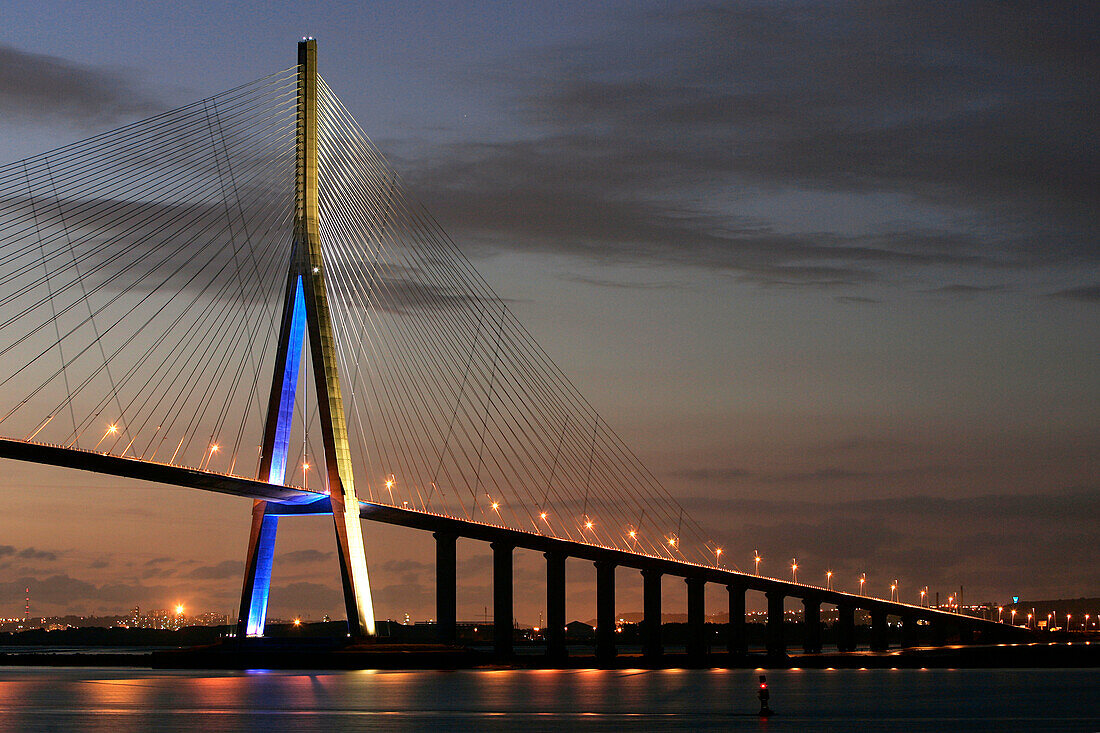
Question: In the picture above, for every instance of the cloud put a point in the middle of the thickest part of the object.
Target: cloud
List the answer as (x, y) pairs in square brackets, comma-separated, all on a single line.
[(1085, 293), (405, 566), (219, 571), (304, 556), (965, 290), (30, 553), (953, 139), (713, 474), (27, 553), (293, 597), (66, 592), (985, 542), (628, 285), (34, 87)]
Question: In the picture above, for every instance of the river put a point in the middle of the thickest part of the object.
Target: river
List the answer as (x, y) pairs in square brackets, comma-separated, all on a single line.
[(115, 700)]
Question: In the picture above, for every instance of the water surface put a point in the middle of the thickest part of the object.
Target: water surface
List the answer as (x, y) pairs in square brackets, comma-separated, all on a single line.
[(121, 700)]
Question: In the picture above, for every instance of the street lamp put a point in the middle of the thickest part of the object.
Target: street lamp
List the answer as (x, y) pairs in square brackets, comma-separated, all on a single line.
[(829, 579), (1000, 609), (794, 570), (923, 593), (894, 590), (1013, 620), (862, 580), (717, 556), (756, 558)]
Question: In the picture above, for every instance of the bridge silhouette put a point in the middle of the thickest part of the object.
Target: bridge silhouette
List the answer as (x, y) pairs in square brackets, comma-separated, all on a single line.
[(161, 283)]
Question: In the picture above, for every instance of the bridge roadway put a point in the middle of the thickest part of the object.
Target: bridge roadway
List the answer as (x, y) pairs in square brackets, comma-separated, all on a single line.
[(503, 541)]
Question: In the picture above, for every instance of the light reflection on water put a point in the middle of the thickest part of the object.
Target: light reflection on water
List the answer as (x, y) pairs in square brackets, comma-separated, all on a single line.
[(120, 700)]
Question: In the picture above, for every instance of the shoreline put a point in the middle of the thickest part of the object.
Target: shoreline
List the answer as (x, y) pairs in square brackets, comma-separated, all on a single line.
[(439, 657)]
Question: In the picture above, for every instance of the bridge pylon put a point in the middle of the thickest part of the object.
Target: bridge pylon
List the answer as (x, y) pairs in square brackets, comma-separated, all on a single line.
[(305, 310)]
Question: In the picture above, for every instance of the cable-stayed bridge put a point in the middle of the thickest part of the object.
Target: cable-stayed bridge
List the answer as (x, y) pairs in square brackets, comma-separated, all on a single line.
[(161, 284)]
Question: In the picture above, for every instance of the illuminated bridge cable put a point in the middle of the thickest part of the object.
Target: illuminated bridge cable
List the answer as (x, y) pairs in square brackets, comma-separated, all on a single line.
[(142, 278), (391, 266), (172, 241)]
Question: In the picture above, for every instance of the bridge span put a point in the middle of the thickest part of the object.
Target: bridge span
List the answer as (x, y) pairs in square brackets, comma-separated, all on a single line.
[(155, 277), (289, 500)]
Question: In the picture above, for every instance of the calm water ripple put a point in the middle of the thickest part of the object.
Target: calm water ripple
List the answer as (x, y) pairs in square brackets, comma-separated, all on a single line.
[(123, 700)]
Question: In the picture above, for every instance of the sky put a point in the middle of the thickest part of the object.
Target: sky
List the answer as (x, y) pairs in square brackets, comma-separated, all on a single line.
[(831, 269)]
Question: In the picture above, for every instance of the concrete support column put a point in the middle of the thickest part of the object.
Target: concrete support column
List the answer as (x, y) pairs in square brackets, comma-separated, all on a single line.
[(775, 643), (502, 598), (651, 606), (846, 629), (880, 641), (697, 617), (811, 615), (446, 587), (605, 611), (909, 631), (555, 605), (738, 640)]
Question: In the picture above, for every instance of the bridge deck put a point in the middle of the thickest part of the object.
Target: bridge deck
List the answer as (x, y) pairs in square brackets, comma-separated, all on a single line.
[(296, 501)]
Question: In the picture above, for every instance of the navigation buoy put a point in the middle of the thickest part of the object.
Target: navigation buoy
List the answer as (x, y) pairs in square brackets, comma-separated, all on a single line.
[(765, 711)]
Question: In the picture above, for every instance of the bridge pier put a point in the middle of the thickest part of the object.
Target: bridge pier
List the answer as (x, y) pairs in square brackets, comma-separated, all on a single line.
[(845, 628), (811, 615), (502, 599), (697, 618), (446, 586), (555, 605), (605, 611), (738, 641), (880, 640), (651, 607), (774, 641)]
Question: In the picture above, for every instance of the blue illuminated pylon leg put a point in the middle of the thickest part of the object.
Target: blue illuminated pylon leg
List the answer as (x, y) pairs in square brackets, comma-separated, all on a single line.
[(261, 541)]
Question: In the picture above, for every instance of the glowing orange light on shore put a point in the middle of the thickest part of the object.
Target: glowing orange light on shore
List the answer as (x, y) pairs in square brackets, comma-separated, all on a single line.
[(297, 622), (179, 609)]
